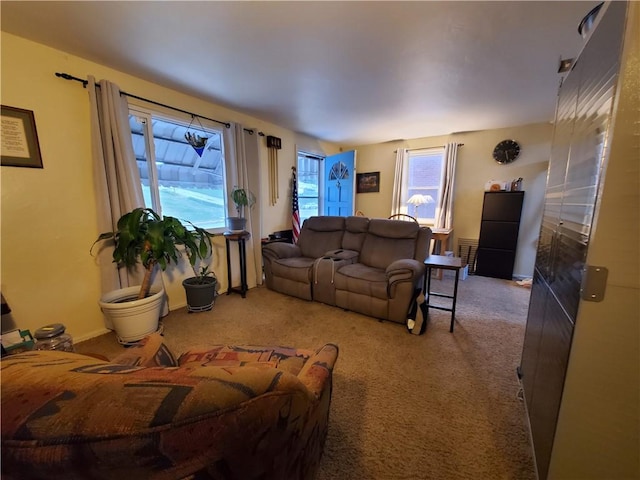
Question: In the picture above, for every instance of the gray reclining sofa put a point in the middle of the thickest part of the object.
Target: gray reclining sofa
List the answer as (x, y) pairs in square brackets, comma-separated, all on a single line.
[(371, 266)]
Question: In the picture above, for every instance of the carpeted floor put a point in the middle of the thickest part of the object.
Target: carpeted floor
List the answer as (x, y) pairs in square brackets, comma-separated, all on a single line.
[(439, 406)]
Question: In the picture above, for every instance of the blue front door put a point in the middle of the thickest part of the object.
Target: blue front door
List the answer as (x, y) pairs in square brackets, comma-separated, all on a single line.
[(339, 184)]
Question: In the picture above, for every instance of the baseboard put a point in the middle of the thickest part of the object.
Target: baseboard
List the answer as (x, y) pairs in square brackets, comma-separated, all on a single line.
[(95, 333), (176, 306)]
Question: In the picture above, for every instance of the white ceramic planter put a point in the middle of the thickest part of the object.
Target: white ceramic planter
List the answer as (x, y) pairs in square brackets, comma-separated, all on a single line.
[(135, 319)]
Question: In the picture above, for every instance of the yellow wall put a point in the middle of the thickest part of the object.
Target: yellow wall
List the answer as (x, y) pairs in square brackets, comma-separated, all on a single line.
[(48, 215), (475, 166)]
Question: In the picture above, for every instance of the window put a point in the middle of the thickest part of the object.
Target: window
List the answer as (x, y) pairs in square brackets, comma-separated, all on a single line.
[(176, 181), (425, 174), (309, 184)]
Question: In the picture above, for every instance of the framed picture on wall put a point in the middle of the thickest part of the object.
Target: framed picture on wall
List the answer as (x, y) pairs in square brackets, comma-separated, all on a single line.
[(368, 182), (19, 146)]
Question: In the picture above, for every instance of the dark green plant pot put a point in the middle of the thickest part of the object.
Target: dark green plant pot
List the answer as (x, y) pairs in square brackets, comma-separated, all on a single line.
[(200, 296)]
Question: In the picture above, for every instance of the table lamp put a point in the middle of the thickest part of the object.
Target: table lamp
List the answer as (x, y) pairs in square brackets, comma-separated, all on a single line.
[(417, 200)]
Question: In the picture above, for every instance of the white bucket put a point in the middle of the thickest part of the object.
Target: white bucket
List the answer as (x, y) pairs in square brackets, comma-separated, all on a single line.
[(133, 319)]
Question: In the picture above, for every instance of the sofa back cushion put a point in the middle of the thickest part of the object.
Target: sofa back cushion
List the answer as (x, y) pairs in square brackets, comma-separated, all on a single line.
[(72, 398), (320, 234), (388, 241), (356, 229)]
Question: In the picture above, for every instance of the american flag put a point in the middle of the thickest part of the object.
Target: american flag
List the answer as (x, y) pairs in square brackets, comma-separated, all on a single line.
[(295, 210)]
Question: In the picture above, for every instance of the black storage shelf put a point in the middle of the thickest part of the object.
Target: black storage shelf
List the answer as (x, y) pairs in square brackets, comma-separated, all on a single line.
[(499, 234)]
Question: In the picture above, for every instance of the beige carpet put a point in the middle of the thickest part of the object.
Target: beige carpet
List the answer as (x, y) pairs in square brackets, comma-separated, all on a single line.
[(439, 406)]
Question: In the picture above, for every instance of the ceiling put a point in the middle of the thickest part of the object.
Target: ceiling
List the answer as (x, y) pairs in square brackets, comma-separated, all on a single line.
[(352, 73)]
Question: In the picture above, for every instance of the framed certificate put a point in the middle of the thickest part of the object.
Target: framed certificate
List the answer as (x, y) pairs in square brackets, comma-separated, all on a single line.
[(19, 140)]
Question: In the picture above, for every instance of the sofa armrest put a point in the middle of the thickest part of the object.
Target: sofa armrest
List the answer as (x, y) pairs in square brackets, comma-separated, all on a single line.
[(276, 250), (406, 269), (318, 369)]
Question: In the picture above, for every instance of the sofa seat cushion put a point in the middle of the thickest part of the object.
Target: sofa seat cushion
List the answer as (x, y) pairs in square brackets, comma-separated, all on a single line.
[(284, 358), (295, 268), (362, 279)]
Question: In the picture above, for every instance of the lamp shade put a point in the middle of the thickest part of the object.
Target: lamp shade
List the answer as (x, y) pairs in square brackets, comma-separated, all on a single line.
[(418, 199)]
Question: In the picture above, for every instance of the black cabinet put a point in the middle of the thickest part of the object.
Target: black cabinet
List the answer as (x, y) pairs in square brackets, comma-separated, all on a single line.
[(499, 234)]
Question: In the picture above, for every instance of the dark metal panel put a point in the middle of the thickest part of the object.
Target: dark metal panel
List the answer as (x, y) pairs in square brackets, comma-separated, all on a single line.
[(553, 357), (533, 335), (557, 171), (598, 75), (545, 246), (576, 164)]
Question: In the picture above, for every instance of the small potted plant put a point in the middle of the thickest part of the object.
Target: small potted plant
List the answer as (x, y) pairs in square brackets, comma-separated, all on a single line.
[(201, 289), (142, 237), (241, 198)]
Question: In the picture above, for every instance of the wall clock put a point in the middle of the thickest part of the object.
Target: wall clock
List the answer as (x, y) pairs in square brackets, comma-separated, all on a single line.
[(506, 151)]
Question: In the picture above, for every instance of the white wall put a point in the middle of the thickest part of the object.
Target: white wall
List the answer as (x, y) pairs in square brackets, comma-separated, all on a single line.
[(48, 215), (474, 168)]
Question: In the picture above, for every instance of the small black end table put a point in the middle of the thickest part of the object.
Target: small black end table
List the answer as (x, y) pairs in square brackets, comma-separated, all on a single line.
[(240, 238), (442, 263)]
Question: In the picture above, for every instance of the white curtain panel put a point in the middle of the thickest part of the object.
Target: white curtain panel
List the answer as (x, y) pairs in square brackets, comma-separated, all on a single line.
[(252, 152), (397, 201), (444, 214), (116, 176), (243, 160)]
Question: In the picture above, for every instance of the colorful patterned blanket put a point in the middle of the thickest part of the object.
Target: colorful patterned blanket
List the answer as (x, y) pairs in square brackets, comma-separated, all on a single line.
[(217, 412)]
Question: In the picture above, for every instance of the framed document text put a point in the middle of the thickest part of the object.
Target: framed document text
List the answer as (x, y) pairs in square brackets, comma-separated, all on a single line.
[(19, 144)]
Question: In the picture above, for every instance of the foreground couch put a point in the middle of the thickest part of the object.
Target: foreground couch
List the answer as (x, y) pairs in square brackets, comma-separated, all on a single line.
[(371, 266), (216, 413)]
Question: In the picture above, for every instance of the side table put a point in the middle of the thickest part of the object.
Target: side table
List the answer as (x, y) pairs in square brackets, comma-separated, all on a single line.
[(240, 238), (443, 263)]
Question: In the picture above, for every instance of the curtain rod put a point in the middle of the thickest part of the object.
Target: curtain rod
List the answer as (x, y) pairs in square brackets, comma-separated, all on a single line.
[(422, 148), (84, 83)]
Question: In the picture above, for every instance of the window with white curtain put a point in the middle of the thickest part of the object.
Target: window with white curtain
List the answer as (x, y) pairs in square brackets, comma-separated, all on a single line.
[(176, 180), (424, 177), (309, 184)]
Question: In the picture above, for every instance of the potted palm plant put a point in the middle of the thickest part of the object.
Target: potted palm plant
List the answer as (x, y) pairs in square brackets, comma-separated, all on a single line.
[(143, 238), (242, 198)]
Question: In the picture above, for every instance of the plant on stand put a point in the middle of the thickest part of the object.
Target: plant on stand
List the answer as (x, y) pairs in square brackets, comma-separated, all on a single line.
[(143, 238), (242, 198)]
